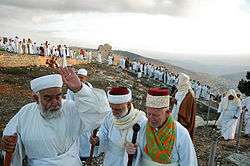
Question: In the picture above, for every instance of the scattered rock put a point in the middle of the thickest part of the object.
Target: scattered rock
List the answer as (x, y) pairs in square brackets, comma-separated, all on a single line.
[(239, 159)]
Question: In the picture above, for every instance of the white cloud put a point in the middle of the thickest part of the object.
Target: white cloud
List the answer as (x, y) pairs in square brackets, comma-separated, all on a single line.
[(204, 27)]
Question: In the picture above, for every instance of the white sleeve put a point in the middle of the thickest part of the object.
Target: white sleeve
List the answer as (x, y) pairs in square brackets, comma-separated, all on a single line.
[(70, 95), (89, 107), (185, 148), (103, 135), (238, 111), (11, 126)]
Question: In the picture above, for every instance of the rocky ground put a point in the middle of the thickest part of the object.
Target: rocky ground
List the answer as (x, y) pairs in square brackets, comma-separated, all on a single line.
[(15, 92)]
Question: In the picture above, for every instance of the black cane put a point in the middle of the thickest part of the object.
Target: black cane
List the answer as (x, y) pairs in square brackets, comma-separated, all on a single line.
[(136, 129)]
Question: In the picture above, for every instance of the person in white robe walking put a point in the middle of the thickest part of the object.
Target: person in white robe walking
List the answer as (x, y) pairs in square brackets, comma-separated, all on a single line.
[(231, 110), (116, 129), (163, 141), (246, 107), (48, 129), (84, 144)]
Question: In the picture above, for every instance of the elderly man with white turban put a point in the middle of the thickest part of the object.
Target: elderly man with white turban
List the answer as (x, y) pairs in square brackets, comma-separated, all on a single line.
[(231, 110), (48, 129), (164, 141), (184, 104), (116, 130)]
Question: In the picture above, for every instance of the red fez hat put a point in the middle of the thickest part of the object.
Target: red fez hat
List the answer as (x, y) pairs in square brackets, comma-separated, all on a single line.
[(119, 95), (157, 98)]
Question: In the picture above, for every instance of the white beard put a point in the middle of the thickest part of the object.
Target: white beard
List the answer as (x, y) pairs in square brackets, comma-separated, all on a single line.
[(123, 114), (49, 114)]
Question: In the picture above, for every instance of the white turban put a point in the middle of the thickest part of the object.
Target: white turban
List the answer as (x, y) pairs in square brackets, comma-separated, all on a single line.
[(45, 82), (83, 72), (184, 83), (119, 95), (236, 100)]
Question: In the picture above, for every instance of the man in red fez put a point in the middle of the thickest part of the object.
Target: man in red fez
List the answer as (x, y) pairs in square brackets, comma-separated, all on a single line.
[(116, 130), (164, 140)]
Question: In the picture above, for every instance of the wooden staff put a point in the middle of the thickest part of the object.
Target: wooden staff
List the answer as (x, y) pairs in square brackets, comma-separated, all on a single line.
[(8, 155), (92, 148), (7, 159), (239, 131), (136, 129)]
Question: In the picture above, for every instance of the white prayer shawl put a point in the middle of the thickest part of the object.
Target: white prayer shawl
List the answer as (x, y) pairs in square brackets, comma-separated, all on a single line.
[(19, 48), (35, 49), (123, 63), (207, 95), (198, 91), (156, 74), (84, 145), (228, 124), (30, 48), (203, 91), (53, 142), (71, 96), (145, 69), (179, 96), (90, 56), (113, 139), (246, 103), (183, 153), (220, 108), (99, 57), (110, 60), (141, 67)]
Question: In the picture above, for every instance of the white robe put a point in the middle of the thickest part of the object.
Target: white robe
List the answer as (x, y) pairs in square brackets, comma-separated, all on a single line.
[(179, 96), (198, 91), (110, 60), (89, 56), (246, 103), (84, 145), (113, 139), (228, 124), (99, 58), (54, 141), (183, 152)]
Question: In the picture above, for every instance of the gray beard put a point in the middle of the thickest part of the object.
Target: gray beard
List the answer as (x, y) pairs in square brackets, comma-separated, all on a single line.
[(47, 115), (122, 115)]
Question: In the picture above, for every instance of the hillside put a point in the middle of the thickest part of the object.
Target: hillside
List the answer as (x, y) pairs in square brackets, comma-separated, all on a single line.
[(217, 83), (15, 93)]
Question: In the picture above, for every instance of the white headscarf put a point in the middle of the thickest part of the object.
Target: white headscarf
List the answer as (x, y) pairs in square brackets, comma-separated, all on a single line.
[(236, 100), (184, 84)]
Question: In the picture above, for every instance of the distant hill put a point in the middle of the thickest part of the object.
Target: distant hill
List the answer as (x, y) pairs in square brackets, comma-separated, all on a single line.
[(234, 78), (204, 66)]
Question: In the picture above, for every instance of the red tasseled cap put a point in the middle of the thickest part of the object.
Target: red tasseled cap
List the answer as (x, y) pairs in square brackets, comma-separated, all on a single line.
[(119, 91), (158, 91)]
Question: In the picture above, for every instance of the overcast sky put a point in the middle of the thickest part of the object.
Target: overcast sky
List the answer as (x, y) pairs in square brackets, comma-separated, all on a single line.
[(201, 27)]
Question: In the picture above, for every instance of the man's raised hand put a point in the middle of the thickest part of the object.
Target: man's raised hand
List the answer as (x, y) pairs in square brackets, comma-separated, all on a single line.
[(71, 79)]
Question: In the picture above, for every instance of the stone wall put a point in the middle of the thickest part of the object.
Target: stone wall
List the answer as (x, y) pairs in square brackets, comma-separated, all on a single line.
[(14, 60)]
